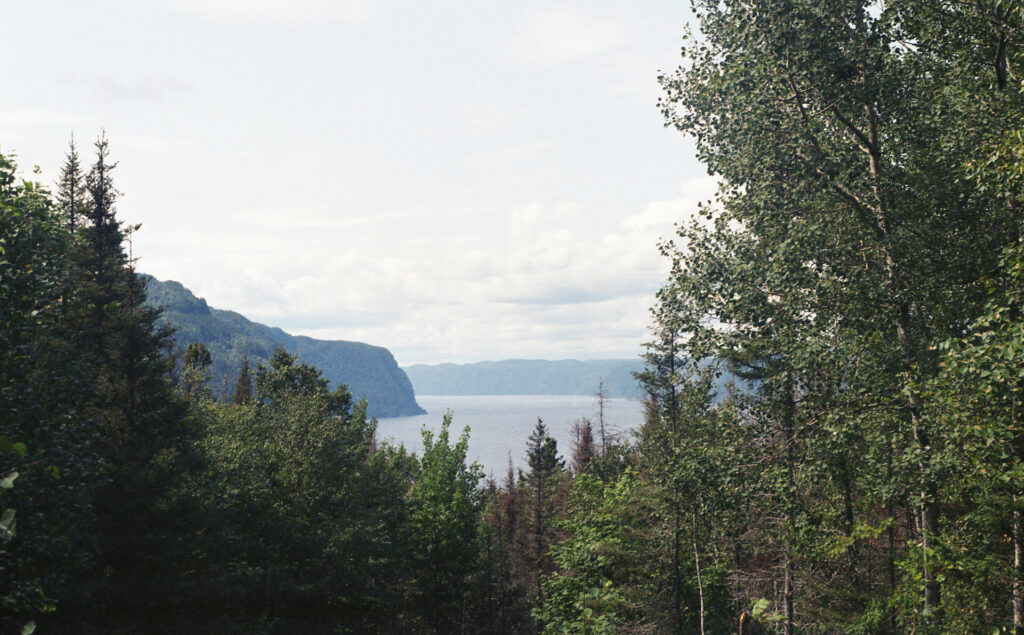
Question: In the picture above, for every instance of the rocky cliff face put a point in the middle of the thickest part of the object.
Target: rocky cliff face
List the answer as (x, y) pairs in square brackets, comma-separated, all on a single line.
[(368, 371)]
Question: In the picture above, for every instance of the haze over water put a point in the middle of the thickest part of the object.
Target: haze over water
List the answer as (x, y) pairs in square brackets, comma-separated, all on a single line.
[(501, 424)]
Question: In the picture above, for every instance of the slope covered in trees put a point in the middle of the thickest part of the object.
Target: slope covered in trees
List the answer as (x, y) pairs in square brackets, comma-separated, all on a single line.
[(368, 371), (529, 377), (862, 264)]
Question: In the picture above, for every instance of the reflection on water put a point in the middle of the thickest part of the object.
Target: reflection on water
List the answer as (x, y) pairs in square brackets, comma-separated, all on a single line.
[(501, 424)]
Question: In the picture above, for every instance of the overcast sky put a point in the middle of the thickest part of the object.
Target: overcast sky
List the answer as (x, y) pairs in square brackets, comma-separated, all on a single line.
[(456, 181)]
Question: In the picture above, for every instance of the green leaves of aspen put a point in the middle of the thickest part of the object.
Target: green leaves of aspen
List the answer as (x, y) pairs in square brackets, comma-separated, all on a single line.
[(7, 482), (7, 524)]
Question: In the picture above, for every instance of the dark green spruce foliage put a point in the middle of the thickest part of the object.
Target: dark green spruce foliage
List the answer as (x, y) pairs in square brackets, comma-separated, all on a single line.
[(139, 423), (243, 386), (71, 194)]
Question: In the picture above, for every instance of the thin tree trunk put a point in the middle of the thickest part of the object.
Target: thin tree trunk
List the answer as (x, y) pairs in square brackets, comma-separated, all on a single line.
[(677, 583), (787, 597), (700, 582), (1018, 591), (788, 417), (892, 544)]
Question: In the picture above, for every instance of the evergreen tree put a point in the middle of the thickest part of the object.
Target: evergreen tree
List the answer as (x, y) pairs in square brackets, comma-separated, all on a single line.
[(543, 483), (138, 419), (71, 193), (583, 446), (243, 387)]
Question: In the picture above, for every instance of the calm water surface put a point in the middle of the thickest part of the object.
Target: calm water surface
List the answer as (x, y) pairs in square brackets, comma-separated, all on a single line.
[(501, 424)]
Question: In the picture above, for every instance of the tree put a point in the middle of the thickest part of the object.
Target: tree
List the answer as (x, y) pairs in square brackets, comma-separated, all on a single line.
[(243, 387), (284, 378), (139, 423), (195, 371), (602, 566), (305, 511), (583, 447), (848, 241), (46, 440), (978, 399), (445, 501), (543, 481), (71, 192)]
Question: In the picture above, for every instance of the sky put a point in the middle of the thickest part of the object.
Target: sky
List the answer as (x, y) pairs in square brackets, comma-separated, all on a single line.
[(456, 181)]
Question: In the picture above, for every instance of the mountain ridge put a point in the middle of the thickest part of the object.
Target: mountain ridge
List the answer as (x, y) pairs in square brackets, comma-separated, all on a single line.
[(368, 371), (529, 377)]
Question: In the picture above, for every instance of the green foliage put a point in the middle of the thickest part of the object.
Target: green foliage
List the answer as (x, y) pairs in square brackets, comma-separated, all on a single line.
[(445, 510), (603, 563), (43, 432), (243, 387), (860, 273), (195, 371)]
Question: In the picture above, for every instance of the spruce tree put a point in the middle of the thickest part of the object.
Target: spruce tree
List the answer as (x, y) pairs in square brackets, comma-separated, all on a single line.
[(583, 447), (243, 388), (71, 192), (546, 468), (131, 400)]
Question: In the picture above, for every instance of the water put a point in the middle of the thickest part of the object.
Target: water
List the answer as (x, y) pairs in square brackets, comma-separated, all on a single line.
[(501, 424)]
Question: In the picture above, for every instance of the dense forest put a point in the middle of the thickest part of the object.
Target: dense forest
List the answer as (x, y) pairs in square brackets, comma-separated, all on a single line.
[(862, 268)]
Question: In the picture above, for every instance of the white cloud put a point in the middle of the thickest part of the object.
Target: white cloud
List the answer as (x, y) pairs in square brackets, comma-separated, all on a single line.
[(113, 88), (352, 11), (454, 181), (157, 144), (31, 118), (659, 215), (561, 34), (547, 274)]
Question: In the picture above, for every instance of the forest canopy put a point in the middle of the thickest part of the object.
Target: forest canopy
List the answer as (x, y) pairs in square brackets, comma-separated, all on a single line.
[(861, 269)]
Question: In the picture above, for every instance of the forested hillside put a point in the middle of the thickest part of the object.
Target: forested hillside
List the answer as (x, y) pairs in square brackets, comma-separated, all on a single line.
[(368, 371), (529, 377), (862, 265)]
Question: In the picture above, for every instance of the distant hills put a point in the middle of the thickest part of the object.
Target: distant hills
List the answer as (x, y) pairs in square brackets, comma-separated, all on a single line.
[(369, 371), (529, 377)]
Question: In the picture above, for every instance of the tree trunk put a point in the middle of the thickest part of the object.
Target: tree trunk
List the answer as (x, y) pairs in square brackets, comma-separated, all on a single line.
[(700, 582), (677, 583), (1018, 553), (787, 598)]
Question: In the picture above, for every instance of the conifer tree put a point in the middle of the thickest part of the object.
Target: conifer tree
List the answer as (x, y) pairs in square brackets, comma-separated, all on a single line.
[(583, 447), (542, 481), (243, 387), (71, 192), (131, 398)]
